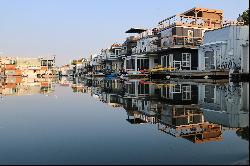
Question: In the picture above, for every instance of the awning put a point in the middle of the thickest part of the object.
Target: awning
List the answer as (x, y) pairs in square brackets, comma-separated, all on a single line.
[(136, 30)]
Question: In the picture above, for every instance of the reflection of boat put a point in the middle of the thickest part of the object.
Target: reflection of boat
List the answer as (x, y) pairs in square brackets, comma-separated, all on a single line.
[(99, 75), (111, 75), (124, 77)]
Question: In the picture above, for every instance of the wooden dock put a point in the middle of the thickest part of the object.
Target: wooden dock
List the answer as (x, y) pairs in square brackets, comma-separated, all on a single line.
[(212, 74), (193, 81), (138, 76)]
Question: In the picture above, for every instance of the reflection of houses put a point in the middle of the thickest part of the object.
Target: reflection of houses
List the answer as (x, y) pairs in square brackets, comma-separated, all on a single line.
[(226, 48), (138, 88), (64, 70), (228, 106), (179, 93), (112, 100), (18, 86), (195, 112), (187, 121)]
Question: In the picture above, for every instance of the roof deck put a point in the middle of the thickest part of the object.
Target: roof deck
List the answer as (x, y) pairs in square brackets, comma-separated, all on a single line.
[(196, 17)]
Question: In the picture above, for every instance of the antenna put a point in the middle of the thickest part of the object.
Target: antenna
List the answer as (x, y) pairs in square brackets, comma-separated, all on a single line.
[(197, 3)]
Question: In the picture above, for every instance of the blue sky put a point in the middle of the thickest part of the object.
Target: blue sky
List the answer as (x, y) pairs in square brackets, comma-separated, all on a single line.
[(77, 28)]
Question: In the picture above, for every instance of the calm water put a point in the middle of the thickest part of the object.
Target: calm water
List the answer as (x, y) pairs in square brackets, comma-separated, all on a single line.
[(99, 121)]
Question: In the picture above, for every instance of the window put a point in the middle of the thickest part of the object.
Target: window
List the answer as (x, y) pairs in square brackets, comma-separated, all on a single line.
[(190, 36), (155, 60), (186, 60), (164, 64), (117, 52), (209, 94)]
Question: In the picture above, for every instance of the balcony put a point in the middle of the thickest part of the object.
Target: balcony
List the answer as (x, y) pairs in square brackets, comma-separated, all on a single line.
[(111, 57), (181, 41)]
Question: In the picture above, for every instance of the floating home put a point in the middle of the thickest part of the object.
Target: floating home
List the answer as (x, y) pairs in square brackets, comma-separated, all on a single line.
[(107, 61), (182, 34), (142, 55), (226, 48)]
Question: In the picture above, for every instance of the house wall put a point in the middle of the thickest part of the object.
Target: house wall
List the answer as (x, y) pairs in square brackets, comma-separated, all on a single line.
[(229, 46), (145, 45)]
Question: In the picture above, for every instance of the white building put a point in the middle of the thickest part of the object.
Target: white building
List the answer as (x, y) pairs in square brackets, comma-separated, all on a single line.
[(225, 48), (144, 54)]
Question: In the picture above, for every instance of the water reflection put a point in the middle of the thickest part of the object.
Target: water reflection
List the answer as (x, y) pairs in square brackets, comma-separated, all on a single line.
[(21, 86), (196, 112), (148, 120)]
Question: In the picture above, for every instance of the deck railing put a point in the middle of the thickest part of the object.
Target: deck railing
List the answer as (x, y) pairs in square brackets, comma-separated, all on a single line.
[(184, 41), (190, 21)]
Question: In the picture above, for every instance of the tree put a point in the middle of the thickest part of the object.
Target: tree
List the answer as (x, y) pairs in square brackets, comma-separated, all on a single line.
[(245, 17)]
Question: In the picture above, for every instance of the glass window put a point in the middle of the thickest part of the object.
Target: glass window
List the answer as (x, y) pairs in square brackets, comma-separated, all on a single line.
[(186, 60), (156, 61)]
